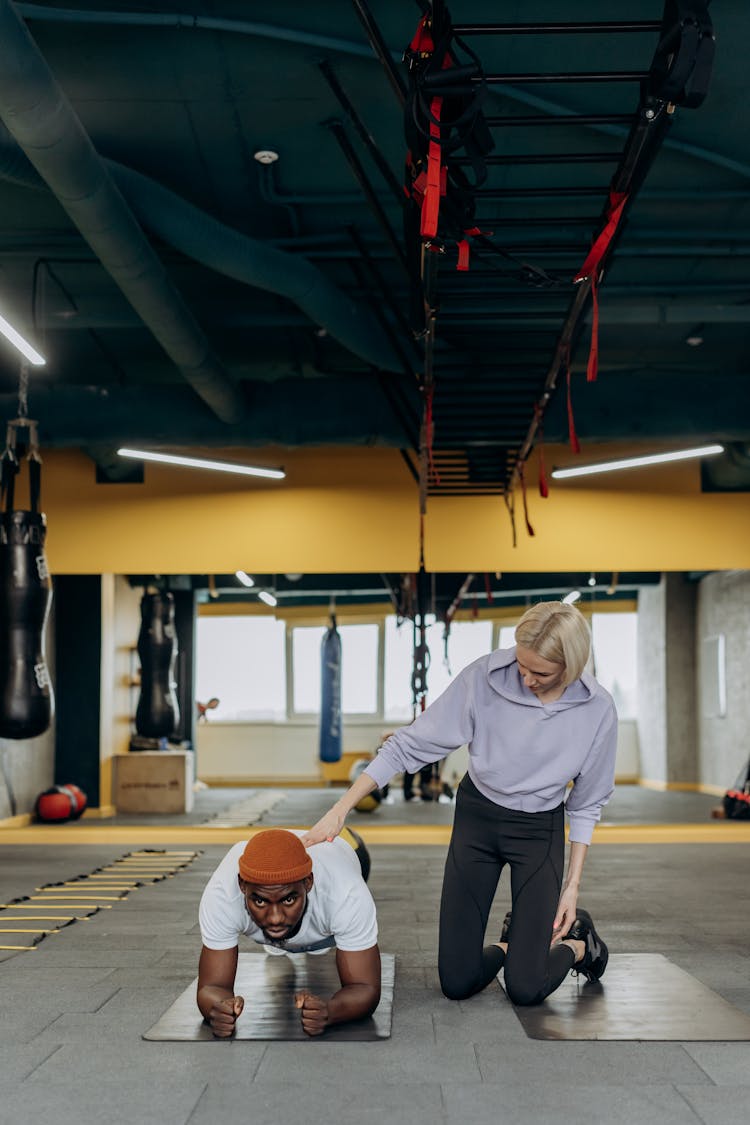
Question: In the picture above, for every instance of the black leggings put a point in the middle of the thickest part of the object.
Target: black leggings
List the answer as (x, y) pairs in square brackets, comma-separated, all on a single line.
[(485, 838)]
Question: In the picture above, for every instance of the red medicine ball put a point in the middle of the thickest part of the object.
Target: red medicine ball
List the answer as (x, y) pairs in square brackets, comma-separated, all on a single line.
[(56, 804), (80, 798)]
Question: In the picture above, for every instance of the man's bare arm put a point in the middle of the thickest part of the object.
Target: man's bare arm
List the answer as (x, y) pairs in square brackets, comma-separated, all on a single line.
[(358, 996), (218, 1005)]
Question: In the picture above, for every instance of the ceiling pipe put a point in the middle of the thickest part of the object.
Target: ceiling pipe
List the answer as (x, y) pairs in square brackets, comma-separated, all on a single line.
[(40, 118), (248, 260)]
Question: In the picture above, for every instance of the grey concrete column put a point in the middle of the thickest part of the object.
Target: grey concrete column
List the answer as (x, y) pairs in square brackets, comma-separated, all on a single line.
[(667, 706)]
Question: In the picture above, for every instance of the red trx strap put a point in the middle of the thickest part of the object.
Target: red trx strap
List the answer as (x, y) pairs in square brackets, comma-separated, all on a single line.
[(590, 269), (435, 182), (436, 175), (575, 445)]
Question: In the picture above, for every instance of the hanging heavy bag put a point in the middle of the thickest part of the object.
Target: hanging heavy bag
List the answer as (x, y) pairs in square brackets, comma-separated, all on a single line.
[(330, 693), (26, 698), (157, 713)]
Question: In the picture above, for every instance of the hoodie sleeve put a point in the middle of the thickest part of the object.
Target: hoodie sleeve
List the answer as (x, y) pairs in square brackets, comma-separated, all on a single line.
[(446, 724), (595, 783)]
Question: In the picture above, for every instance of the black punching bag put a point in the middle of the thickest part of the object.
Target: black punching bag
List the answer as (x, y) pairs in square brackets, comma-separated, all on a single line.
[(26, 699), (158, 712)]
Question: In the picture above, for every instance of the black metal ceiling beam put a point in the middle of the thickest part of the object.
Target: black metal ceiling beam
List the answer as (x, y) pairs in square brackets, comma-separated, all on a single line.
[(387, 294), (588, 28), (611, 76), (567, 119), (370, 194), (523, 193), (542, 220), (543, 158), (380, 47), (367, 138)]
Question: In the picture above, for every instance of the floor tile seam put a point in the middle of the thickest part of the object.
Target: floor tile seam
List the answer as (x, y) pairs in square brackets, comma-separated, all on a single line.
[(41, 1062), (696, 1063), (198, 1101), (686, 1100)]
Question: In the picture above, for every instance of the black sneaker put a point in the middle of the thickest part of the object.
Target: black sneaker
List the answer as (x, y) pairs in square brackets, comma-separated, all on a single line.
[(596, 956), (505, 932)]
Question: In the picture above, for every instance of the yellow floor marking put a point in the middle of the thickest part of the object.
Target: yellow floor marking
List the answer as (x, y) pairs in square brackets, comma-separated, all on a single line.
[(53, 896), (715, 832), (104, 877), (99, 886), (39, 918), (24, 948), (146, 879), (17, 930), (55, 902), (61, 906)]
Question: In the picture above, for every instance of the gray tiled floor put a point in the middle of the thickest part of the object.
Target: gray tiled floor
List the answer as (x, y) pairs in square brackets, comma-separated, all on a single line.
[(73, 1011)]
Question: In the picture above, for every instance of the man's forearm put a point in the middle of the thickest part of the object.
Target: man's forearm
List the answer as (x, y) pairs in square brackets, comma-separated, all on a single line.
[(353, 1002), (210, 995)]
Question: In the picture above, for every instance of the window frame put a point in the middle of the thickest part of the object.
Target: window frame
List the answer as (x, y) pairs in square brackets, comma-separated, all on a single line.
[(352, 718)]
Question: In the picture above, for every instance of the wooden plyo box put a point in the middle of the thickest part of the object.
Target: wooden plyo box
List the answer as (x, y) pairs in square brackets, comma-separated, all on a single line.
[(158, 782)]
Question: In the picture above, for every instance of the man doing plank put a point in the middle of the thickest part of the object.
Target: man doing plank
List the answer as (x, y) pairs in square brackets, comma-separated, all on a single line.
[(289, 900)]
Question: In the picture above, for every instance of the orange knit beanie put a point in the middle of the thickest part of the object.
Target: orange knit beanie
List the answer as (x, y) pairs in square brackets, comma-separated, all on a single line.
[(275, 857)]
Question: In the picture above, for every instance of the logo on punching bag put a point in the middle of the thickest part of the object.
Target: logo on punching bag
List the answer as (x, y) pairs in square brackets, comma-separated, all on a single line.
[(334, 728), (41, 675)]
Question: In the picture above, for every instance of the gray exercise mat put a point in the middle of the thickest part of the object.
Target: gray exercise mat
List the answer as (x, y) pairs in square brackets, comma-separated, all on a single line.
[(640, 996), (268, 984)]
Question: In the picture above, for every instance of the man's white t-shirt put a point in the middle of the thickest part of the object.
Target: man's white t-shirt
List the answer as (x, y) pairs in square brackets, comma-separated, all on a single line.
[(340, 910)]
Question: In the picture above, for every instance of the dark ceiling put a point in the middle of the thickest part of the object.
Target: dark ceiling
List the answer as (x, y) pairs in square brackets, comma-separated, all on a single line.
[(188, 296)]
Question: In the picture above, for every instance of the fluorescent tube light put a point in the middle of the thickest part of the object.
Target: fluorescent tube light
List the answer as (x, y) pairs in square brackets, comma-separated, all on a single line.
[(201, 463), (573, 596), (636, 462), (244, 578), (269, 599), (17, 340)]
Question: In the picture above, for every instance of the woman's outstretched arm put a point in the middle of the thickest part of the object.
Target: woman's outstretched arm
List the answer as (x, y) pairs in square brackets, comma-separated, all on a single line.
[(332, 822)]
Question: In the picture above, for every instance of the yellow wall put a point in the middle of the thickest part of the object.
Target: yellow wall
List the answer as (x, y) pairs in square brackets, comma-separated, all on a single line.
[(357, 510)]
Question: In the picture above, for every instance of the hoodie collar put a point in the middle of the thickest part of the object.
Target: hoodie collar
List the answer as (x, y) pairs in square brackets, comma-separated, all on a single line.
[(505, 679)]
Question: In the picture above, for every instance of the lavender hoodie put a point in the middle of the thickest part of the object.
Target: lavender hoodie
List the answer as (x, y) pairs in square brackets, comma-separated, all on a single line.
[(522, 752)]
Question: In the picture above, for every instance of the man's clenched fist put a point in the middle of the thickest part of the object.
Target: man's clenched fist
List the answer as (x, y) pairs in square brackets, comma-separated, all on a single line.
[(314, 1012), (223, 1016)]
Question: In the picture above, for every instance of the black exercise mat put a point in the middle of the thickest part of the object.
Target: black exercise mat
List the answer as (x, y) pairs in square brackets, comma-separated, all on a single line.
[(641, 996), (268, 984)]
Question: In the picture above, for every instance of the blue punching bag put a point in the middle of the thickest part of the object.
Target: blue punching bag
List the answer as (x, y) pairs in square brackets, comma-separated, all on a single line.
[(330, 695), (26, 699)]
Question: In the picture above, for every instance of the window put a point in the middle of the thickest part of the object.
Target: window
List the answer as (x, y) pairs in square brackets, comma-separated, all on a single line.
[(240, 661), (615, 658), (359, 669), (506, 636), (467, 641)]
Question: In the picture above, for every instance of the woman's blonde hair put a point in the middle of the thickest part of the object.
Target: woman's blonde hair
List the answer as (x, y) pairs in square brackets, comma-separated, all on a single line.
[(557, 632)]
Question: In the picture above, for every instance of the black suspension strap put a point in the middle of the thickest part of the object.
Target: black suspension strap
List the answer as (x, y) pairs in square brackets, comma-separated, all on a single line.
[(11, 466)]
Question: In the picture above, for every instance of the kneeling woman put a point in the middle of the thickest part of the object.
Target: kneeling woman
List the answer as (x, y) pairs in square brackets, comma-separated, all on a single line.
[(534, 720)]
